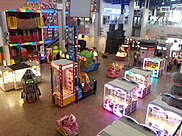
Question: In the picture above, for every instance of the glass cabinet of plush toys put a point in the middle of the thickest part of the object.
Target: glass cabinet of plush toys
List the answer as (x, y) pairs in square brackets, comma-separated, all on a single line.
[(163, 118), (142, 78), (62, 82), (6, 78), (156, 65), (118, 97)]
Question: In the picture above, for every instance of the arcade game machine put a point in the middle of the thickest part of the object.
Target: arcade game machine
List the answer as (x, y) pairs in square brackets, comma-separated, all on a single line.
[(113, 71), (35, 67), (31, 92), (62, 82), (132, 128), (123, 52), (164, 115), (154, 64), (118, 97), (90, 64), (147, 48), (142, 78), (87, 85)]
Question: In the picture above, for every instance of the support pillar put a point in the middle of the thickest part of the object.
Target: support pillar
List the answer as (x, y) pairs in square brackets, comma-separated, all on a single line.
[(121, 17), (61, 24), (97, 24), (145, 19), (130, 18), (5, 47)]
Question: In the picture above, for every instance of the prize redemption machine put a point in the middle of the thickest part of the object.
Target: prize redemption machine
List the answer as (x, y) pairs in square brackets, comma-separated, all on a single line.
[(156, 65), (118, 97), (164, 114), (123, 52), (62, 82), (147, 48), (142, 78)]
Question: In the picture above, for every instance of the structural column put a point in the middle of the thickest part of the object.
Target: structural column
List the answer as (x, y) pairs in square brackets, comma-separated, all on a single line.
[(121, 18), (97, 23), (145, 19), (130, 18), (61, 23), (4, 32)]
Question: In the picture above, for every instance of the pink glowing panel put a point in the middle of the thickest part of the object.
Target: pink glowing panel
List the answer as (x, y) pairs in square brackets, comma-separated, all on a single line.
[(108, 105), (118, 110)]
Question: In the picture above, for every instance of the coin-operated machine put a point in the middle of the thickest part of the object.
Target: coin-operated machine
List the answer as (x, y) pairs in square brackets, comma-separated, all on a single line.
[(31, 92)]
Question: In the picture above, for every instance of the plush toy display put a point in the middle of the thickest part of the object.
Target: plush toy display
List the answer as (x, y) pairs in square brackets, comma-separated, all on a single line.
[(67, 125)]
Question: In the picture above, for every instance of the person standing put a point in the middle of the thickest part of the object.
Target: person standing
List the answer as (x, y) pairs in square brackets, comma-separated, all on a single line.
[(135, 59), (50, 57)]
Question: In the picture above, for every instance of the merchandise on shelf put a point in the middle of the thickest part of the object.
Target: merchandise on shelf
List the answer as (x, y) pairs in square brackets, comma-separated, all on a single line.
[(25, 28), (123, 52), (11, 75), (154, 64), (131, 128), (118, 97), (67, 125), (113, 71), (163, 117), (50, 29), (33, 56), (30, 92), (142, 78), (62, 82)]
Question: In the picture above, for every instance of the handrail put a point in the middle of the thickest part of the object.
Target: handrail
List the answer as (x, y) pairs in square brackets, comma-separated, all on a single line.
[(52, 43)]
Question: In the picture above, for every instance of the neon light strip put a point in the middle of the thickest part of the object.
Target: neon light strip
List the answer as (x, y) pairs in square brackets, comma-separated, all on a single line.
[(49, 11), (27, 43), (50, 26), (23, 10)]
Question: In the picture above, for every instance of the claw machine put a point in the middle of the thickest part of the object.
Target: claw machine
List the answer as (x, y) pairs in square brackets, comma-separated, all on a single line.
[(142, 78), (6, 78), (119, 98), (62, 82), (164, 115), (156, 65)]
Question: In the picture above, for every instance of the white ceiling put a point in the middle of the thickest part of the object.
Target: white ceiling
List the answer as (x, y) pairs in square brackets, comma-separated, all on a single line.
[(11, 4)]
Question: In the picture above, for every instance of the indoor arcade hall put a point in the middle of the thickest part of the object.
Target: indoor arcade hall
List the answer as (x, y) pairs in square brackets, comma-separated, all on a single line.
[(38, 119), (91, 67)]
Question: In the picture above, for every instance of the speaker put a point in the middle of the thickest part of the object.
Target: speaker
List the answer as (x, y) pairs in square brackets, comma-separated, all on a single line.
[(111, 27), (111, 47), (120, 27)]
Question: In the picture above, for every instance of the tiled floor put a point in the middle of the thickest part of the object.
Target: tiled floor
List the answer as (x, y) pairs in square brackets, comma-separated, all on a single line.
[(37, 119)]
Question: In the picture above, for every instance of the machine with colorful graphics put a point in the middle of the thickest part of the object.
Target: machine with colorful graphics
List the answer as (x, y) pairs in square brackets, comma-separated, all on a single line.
[(92, 63)]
